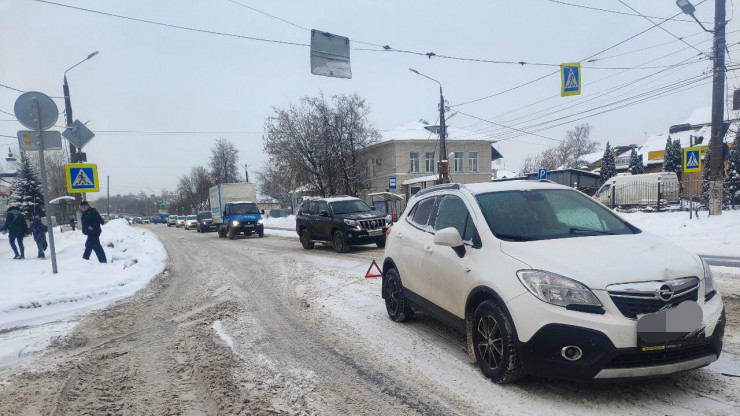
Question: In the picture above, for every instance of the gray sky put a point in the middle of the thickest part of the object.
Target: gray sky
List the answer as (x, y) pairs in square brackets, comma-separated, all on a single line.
[(149, 78)]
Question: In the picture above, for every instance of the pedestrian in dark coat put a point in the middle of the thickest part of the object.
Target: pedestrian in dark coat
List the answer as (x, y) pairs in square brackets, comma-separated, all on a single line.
[(15, 225), (91, 227), (38, 229)]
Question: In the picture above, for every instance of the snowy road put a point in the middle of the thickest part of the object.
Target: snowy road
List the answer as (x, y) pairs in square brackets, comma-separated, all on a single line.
[(258, 326)]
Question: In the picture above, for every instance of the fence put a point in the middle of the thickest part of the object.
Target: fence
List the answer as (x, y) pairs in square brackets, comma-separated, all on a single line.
[(688, 193)]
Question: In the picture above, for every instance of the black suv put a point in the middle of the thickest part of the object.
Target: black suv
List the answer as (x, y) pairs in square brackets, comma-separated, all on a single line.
[(205, 222), (343, 221)]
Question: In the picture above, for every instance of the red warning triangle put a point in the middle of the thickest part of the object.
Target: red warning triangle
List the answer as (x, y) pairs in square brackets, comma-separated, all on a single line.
[(371, 273)]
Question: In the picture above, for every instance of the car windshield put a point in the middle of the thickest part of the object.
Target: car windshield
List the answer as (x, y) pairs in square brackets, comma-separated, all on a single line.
[(548, 213), (346, 207), (191, 217), (204, 216), (243, 209)]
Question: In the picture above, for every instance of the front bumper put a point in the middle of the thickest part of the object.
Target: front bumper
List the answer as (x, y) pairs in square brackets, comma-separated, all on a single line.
[(360, 236), (249, 228), (608, 342)]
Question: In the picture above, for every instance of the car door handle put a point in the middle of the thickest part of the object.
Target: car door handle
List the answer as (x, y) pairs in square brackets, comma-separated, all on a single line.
[(398, 235), (427, 249)]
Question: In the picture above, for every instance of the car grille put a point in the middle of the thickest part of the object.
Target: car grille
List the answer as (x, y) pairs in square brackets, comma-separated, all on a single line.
[(632, 302), (653, 358), (375, 224)]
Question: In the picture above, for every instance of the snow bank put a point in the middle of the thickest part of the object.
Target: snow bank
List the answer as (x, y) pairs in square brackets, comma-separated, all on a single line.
[(716, 235), (282, 222), (31, 294)]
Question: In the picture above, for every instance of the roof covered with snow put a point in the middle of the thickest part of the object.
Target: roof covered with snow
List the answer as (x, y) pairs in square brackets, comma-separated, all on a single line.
[(417, 131), (702, 115)]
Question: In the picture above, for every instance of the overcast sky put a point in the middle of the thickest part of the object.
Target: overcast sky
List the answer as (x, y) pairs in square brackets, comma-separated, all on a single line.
[(150, 78)]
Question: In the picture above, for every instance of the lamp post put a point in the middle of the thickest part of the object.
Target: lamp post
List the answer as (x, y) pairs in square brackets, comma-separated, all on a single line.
[(716, 162), (75, 155), (443, 165)]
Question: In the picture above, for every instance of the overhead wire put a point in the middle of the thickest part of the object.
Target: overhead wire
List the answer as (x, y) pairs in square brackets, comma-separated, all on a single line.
[(612, 11)]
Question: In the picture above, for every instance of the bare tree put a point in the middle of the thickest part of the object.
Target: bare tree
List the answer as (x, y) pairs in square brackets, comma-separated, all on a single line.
[(224, 162), (194, 187), (568, 154), (316, 142)]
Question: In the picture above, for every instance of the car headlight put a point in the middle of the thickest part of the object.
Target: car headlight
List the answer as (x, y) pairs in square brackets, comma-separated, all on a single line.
[(351, 223), (555, 289), (235, 223), (710, 287), (260, 221), (388, 220)]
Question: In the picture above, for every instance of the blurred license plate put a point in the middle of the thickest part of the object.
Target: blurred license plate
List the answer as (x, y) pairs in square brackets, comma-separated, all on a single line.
[(671, 328), (374, 233)]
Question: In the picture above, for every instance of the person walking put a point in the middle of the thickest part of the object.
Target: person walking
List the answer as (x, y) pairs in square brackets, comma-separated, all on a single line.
[(90, 225), (17, 228), (38, 229)]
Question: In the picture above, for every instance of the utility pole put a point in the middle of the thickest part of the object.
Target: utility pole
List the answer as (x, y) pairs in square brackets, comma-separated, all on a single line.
[(107, 182), (716, 161), (246, 172), (443, 168), (73, 155)]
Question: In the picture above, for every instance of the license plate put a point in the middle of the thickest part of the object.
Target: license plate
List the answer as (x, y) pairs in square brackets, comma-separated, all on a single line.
[(671, 328), (374, 233), (248, 225)]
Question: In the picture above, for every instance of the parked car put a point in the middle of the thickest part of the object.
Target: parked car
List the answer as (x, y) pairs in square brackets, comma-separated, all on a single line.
[(343, 221), (544, 280), (172, 220), (157, 219), (639, 190), (136, 220), (145, 221), (205, 222), (180, 222), (190, 222)]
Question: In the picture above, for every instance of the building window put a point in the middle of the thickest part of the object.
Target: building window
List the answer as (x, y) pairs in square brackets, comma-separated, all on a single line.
[(473, 161), (429, 166), (458, 161), (414, 156), (373, 164)]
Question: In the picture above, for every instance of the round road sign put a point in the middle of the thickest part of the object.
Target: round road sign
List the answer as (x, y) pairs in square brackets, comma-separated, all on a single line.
[(26, 114)]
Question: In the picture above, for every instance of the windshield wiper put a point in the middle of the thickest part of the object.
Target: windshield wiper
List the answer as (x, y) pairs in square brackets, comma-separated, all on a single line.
[(576, 230), (513, 237)]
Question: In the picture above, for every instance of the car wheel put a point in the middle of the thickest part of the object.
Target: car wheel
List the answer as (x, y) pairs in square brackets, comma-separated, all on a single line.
[(340, 242), (306, 240), (380, 243), (396, 305), (221, 232), (231, 234), (261, 234), (494, 342)]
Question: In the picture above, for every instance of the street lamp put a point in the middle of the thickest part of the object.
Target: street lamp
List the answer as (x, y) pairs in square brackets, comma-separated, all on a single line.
[(443, 166), (688, 8)]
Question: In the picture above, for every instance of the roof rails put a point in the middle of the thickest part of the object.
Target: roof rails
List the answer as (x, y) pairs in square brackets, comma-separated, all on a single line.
[(440, 187)]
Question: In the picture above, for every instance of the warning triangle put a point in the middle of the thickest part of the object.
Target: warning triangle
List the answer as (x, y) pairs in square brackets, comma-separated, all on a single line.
[(572, 81), (693, 161), (373, 274), (82, 179)]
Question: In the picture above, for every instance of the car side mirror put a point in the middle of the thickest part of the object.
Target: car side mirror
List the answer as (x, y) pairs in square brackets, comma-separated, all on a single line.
[(372, 208), (448, 237), (324, 213)]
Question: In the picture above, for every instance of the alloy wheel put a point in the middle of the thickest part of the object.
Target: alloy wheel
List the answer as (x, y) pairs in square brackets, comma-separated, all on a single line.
[(490, 341)]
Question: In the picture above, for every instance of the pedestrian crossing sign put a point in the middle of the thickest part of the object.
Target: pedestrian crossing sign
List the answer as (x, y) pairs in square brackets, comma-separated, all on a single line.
[(570, 79), (692, 159), (82, 177)]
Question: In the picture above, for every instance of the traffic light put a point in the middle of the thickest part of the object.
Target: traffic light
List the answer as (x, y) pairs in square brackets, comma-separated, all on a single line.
[(182, 208)]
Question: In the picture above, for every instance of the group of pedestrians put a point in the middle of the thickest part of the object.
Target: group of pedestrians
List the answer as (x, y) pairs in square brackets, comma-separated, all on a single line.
[(16, 227)]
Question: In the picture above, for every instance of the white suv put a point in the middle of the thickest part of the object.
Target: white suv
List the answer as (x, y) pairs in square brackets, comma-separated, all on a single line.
[(544, 280)]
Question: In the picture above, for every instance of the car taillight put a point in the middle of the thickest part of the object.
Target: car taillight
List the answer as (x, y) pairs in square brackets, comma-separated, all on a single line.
[(388, 231)]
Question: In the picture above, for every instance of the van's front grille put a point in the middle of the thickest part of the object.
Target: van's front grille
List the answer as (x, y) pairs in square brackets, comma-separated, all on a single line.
[(633, 299), (375, 224)]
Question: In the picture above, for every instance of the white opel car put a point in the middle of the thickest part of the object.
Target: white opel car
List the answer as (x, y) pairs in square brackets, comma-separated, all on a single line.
[(543, 280)]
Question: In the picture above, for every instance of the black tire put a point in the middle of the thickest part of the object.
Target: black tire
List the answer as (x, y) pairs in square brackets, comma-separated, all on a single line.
[(396, 305), (231, 234), (306, 240), (494, 342), (339, 242), (380, 243), (261, 233), (221, 232)]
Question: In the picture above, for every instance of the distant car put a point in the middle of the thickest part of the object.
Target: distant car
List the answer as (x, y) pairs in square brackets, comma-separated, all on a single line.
[(171, 220), (205, 222), (180, 221), (191, 221), (156, 219), (136, 220), (146, 221)]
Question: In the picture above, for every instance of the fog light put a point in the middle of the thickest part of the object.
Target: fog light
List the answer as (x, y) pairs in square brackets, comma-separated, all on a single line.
[(571, 353), (349, 235)]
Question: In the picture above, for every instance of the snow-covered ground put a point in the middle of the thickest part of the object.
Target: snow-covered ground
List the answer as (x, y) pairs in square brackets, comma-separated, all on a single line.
[(36, 304), (716, 235), (287, 223)]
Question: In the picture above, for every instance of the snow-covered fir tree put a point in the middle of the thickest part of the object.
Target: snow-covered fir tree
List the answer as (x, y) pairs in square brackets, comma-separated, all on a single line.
[(732, 178), (25, 191), (672, 157), (636, 167), (678, 158), (608, 167)]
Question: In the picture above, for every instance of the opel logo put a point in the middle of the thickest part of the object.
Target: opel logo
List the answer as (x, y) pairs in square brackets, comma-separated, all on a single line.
[(665, 293)]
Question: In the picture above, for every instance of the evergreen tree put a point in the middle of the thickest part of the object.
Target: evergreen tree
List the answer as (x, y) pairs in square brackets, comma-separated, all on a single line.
[(636, 167), (668, 159), (732, 178), (26, 190), (678, 158), (705, 177), (608, 167)]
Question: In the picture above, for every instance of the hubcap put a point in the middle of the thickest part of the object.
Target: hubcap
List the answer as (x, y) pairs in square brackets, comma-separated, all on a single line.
[(393, 296), (490, 341), (338, 241)]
